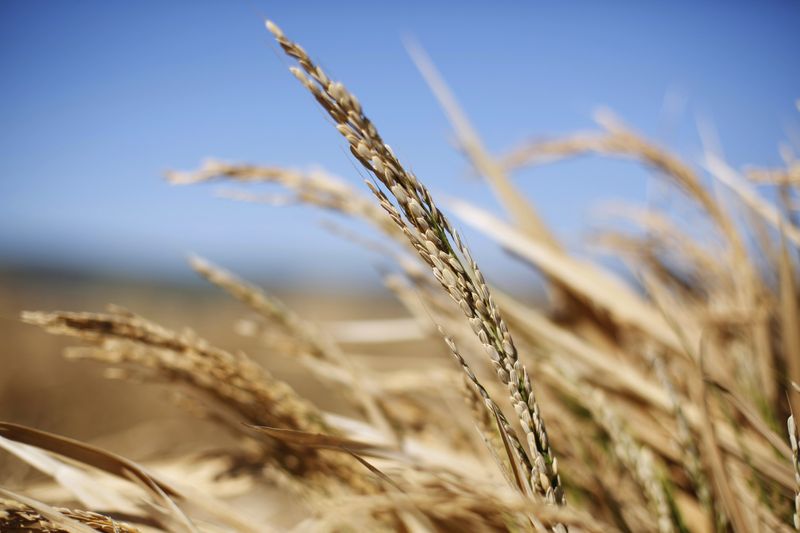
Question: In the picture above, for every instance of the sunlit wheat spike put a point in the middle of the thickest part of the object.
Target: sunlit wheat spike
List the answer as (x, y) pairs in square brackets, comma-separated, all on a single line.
[(441, 247)]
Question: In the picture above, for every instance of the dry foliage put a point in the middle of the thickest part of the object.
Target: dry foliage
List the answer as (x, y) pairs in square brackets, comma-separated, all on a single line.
[(658, 406)]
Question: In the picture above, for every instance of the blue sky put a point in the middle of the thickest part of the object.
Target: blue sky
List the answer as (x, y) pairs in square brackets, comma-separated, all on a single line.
[(99, 98)]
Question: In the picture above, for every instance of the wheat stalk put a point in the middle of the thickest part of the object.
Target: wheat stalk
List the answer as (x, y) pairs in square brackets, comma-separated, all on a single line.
[(18, 517), (234, 381), (637, 459), (311, 340), (441, 247), (793, 440)]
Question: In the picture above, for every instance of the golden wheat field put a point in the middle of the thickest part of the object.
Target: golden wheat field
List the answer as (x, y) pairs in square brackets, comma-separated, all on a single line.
[(656, 402)]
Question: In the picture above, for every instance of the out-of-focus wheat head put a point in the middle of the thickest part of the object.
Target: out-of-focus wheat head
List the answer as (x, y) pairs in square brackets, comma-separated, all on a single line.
[(660, 405)]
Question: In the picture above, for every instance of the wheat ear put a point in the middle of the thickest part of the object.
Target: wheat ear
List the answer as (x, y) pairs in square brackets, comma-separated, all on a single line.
[(440, 246)]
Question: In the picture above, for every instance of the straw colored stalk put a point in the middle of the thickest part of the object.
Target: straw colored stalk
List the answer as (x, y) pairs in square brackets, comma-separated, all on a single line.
[(411, 268), (701, 257), (314, 345), (761, 507), (440, 246), (776, 176), (454, 509), (525, 216), (609, 373), (622, 378), (687, 443), (750, 197), (793, 440), (638, 460), (788, 232), (649, 253), (316, 187), (789, 317), (233, 381), (506, 431), (526, 219), (653, 433), (486, 425), (16, 516), (621, 142), (602, 288)]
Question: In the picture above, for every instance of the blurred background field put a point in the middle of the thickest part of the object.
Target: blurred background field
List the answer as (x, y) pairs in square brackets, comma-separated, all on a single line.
[(41, 388)]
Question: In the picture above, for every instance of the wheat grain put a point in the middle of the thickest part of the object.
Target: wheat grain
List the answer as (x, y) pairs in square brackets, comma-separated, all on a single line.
[(440, 246)]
